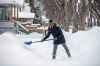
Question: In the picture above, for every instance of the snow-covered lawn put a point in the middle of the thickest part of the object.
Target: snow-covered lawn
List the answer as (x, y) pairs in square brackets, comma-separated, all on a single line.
[(84, 47)]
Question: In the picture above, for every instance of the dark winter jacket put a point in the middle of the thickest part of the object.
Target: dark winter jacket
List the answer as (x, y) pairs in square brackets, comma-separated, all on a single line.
[(56, 33)]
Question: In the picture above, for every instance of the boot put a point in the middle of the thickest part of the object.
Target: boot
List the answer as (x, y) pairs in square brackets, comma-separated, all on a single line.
[(54, 57)]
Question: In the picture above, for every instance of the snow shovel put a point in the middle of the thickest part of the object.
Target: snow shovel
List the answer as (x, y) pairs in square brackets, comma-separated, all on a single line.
[(30, 42)]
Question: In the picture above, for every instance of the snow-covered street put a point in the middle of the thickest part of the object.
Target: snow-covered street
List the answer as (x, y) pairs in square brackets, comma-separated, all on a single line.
[(84, 47)]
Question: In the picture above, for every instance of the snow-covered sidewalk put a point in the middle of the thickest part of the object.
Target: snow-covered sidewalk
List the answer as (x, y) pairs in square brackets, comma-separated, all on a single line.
[(84, 47)]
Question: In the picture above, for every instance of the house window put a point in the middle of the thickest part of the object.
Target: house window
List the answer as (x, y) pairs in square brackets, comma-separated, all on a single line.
[(3, 14)]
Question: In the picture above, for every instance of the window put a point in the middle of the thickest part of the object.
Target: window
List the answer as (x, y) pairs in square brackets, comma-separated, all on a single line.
[(3, 14)]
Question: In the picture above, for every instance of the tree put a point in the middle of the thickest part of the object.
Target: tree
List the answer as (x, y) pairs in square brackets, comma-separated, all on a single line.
[(73, 12)]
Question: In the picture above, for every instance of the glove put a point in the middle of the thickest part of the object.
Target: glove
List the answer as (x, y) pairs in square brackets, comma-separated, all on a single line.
[(55, 38), (42, 40)]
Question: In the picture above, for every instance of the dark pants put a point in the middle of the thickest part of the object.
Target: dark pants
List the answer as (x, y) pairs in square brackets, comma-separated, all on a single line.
[(64, 46)]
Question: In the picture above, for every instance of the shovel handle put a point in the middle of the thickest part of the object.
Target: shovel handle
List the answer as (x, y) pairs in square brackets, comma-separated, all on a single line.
[(30, 42)]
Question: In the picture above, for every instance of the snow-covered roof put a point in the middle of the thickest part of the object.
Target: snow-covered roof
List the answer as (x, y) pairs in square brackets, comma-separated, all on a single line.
[(24, 15), (18, 3)]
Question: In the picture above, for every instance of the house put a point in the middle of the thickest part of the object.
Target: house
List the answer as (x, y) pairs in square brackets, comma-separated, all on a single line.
[(7, 9)]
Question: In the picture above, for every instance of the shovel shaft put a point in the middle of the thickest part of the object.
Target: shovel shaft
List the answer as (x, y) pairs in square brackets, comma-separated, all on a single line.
[(30, 42), (44, 40)]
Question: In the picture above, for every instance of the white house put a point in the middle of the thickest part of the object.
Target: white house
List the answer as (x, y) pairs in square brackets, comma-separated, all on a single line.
[(6, 11)]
